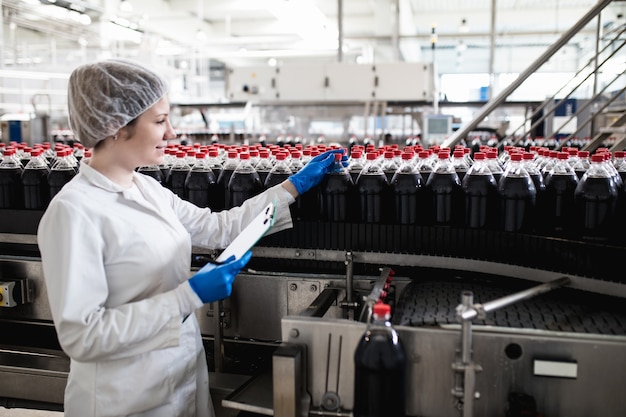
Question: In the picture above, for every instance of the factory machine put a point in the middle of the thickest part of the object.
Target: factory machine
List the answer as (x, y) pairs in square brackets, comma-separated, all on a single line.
[(493, 323)]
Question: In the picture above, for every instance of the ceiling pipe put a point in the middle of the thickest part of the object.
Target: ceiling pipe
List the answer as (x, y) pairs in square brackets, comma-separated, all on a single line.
[(339, 30), (395, 39), (492, 49)]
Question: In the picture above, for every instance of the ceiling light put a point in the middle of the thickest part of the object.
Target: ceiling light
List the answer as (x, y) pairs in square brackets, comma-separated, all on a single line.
[(201, 35), (463, 27), (304, 18), (126, 6)]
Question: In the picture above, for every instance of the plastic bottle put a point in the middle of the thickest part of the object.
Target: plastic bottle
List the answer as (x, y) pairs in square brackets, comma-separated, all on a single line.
[(459, 162), (518, 197), (619, 161), (380, 369), (558, 198), (372, 188), (444, 193), (295, 162), (279, 172), (596, 198), (230, 164), (165, 165), (307, 204), (424, 165), (48, 153), (336, 192), (200, 183), (388, 164), (35, 181), (550, 160), (244, 182), (264, 166), (23, 154), (177, 175), (153, 171), (79, 151), (407, 187), (529, 162), (356, 163), (11, 191), (494, 165), (61, 172), (214, 162), (482, 203), (608, 163)]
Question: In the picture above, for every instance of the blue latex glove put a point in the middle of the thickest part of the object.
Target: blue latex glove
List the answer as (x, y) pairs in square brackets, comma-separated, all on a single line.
[(215, 281), (313, 172)]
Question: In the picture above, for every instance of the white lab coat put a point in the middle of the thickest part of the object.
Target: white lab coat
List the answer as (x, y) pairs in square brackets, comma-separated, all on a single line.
[(116, 265)]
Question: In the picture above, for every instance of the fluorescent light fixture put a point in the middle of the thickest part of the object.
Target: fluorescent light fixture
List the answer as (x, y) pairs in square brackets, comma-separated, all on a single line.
[(304, 18), (126, 6), (201, 35), (464, 27), (167, 48), (122, 31), (33, 75), (60, 13)]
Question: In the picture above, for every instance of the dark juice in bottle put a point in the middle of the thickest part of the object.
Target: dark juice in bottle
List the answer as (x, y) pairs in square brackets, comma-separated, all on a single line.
[(11, 188), (595, 206), (481, 201), (336, 190), (175, 180), (379, 373), (263, 174), (447, 199), (407, 192), (556, 203), (165, 170), (275, 178), (36, 188), (371, 190), (199, 186), (517, 203), (242, 186), (58, 178), (152, 171), (221, 189)]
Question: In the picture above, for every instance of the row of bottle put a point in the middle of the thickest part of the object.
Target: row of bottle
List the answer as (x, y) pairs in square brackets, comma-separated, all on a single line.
[(540, 191), (31, 176), (377, 189), (221, 178)]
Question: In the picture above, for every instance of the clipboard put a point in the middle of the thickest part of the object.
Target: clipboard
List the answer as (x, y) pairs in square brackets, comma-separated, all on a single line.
[(250, 235)]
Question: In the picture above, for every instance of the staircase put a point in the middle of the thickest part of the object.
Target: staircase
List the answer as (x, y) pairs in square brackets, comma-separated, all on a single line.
[(606, 106)]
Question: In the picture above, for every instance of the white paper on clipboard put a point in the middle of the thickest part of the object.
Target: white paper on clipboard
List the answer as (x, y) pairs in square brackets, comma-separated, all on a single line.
[(250, 235)]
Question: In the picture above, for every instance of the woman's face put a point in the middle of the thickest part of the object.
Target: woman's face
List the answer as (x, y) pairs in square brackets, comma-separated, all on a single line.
[(147, 138)]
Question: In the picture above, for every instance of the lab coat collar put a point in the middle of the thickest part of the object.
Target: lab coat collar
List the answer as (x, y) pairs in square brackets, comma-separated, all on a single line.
[(101, 181), (98, 179)]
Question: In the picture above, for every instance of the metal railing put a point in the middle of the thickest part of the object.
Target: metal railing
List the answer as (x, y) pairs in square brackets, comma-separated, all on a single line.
[(548, 107)]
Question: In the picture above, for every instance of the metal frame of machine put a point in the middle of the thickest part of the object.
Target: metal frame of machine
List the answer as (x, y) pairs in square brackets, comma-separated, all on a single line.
[(314, 308)]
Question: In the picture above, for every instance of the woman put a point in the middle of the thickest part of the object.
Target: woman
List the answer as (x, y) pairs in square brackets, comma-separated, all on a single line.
[(116, 254)]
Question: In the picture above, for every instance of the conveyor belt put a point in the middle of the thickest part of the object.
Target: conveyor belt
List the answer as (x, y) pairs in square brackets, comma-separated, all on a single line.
[(596, 260), (432, 303)]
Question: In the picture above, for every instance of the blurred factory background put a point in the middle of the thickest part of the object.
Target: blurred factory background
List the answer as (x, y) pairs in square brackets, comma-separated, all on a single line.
[(323, 68)]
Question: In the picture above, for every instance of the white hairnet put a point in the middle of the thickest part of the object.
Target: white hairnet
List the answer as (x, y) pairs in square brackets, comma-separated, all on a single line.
[(105, 96)]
